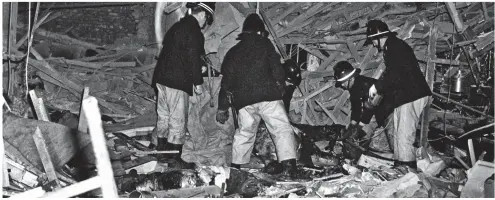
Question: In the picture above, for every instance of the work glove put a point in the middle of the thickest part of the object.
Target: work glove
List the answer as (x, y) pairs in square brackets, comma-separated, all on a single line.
[(372, 92), (281, 88), (222, 116), (198, 89), (353, 131)]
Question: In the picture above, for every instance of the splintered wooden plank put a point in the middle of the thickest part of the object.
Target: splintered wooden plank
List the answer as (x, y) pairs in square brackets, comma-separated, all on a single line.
[(62, 81), (319, 90), (303, 19), (5, 173), (39, 107), (330, 114), (326, 63), (93, 65), (275, 37), (286, 12), (313, 112), (338, 107), (485, 11), (239, 7), (83, 123), (77, 189), (456, 18), (353, 50), (429, 76), (304, 112), (64, 39), (103, 165), (46, 159), (313, 52)]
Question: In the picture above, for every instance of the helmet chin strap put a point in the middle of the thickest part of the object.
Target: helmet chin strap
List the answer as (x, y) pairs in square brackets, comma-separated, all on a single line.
[(379, 46)]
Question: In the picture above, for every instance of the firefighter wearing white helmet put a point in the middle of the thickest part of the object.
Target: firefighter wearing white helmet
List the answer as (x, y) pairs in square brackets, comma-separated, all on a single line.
[(177, 76), (403, 88)]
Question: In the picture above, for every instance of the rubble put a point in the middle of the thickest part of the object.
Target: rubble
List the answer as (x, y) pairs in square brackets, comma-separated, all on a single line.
[(456, 138)]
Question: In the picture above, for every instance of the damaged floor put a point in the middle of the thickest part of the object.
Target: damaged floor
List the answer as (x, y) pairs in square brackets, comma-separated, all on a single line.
[(49, 151)]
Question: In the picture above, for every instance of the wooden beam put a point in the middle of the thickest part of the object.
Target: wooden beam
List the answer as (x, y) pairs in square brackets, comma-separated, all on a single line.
[(326, 63), (5, 171), (353, 50), (462, 105), (471, 152), (83, 123), (301, 40), (313, 112), (303, 19), (103, 165), (276, 39), (239, 7), (456, 18), (39, 107), (76, 189), (312, 52), (338, 107), (64, 39), (429, 76), (12, 42), (329, 114), (76, 89), (33, 193), (46, 159), (288, 11), (93, 65), (307, 13)]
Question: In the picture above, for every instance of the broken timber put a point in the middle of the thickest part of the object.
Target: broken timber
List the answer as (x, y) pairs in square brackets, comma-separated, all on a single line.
[(430, 71), (39, 107), (46, 159)]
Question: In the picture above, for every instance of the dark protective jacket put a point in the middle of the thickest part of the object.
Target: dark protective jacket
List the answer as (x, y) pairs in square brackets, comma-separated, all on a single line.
[(402, 81), (251, 70), (359, 95), (179, 63)]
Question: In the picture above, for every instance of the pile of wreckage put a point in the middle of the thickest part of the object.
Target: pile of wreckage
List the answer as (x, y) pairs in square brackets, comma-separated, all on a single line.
[(77, 116)]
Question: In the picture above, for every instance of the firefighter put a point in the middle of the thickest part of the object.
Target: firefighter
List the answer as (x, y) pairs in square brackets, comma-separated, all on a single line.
[(177, 75), (403, 88), (348, 78), (252, 72)]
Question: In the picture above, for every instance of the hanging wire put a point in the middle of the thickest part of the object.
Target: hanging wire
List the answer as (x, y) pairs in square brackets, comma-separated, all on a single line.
[(29, 48), (30, 42), (9, 85)]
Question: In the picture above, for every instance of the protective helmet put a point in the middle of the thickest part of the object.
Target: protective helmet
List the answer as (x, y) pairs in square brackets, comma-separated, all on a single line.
[(253, 23), (292, 72), (343, 70), (372, 29), (208, 7)]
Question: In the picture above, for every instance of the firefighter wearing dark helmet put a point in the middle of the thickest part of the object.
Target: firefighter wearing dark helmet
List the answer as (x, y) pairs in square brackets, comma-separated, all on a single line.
[(252, 72), (347, 77), (177, 76), (404, 90)]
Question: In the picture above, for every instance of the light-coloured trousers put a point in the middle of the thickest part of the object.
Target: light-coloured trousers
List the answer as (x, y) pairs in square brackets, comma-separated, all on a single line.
[(172, 108), (277, 123), (401, 129)]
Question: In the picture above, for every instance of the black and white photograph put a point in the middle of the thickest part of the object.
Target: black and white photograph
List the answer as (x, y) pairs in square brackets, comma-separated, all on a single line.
[(252, 99)]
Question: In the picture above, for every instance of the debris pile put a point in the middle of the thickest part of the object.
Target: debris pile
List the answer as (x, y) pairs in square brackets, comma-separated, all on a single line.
[(50, 137)]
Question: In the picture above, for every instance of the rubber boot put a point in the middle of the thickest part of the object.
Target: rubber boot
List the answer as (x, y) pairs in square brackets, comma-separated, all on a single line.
[(411, 165), (289, 171), (176, 160), (162, 146), (237, 166)]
